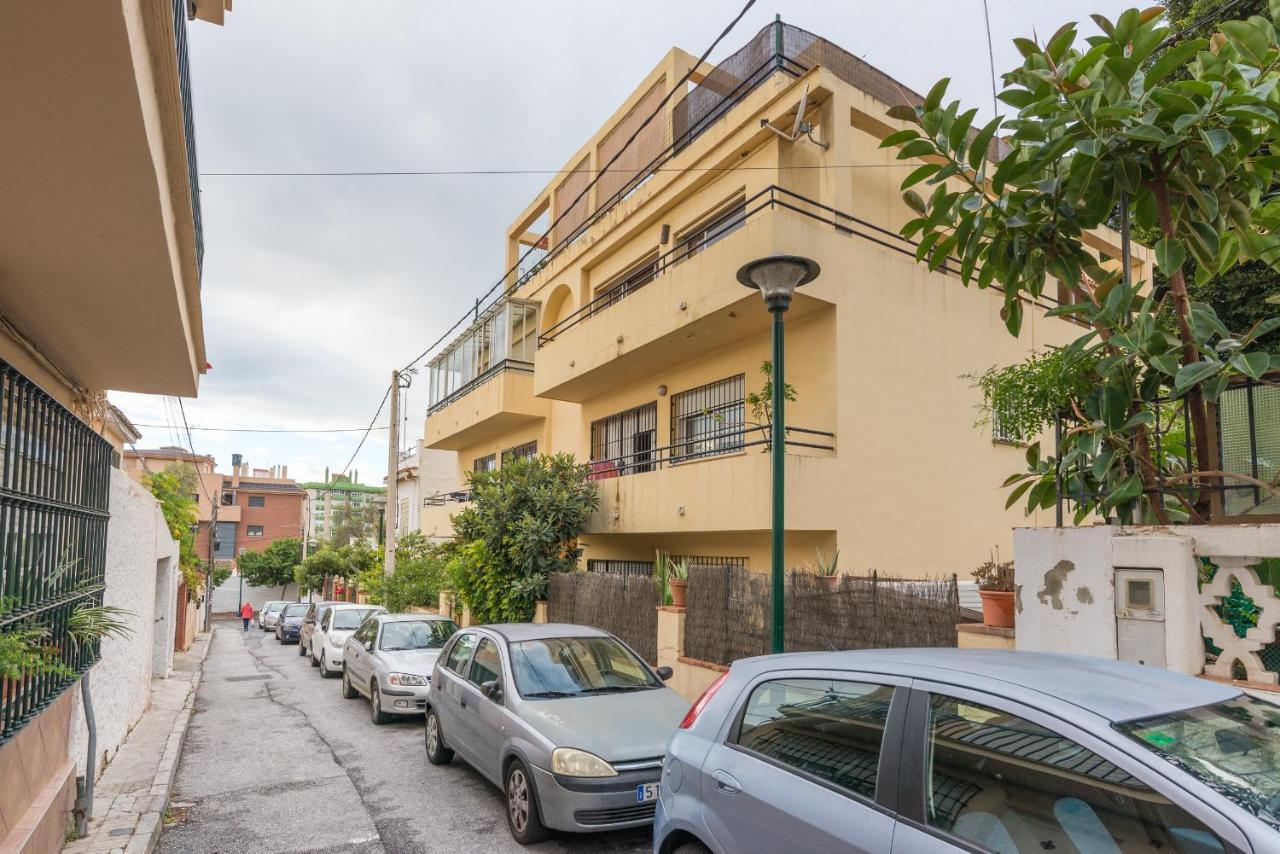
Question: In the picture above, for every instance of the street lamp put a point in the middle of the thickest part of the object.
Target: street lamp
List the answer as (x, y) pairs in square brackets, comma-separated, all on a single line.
[(777, 277)]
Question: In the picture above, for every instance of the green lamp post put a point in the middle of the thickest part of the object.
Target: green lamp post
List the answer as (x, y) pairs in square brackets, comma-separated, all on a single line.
[(777, 277)]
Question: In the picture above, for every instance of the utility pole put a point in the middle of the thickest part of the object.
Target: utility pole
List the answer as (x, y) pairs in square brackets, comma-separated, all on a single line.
[(208, 579), (393, 469)]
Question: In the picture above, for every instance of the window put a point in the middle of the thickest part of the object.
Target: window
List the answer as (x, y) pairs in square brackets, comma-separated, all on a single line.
[(1002, 434), (486, 666), (711, 229), (351, 618), (527, 451), (505, 331), (708, 420), (825, 729), (253, 531), (488, 463), (567, 667), (624, 443), (1008, 784), (626, 283), (228, 499), (417, 634), (366, 632), (225, 540), (460, 653), (324, 624), (257, 501)]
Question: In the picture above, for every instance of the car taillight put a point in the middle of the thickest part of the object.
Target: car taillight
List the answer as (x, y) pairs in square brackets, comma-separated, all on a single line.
[(701, 703)]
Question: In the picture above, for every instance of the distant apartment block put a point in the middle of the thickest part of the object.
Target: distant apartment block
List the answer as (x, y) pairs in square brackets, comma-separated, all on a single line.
[(341, 496)]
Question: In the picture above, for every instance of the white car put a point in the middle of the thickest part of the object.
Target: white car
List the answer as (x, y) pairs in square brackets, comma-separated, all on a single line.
[(338, 624)]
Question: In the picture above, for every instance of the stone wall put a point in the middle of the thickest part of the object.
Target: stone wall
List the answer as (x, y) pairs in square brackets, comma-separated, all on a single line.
[(1218, 593), (141, 576)]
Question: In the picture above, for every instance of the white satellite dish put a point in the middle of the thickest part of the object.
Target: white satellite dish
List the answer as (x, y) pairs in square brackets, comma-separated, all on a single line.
[(800, 127)]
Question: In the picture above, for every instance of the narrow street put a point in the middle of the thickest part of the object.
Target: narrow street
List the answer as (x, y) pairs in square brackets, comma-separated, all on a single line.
[(277, 761)]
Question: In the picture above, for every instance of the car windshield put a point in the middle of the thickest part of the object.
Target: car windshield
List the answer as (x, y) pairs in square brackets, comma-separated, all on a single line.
[(298, 610), (275, 608), (417, 634), (1233, 747), (350, 618), (569, 667)]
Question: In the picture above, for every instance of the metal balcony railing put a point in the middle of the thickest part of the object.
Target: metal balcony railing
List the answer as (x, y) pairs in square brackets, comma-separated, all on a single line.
[(504, 365), (713, 443), (180, 16)]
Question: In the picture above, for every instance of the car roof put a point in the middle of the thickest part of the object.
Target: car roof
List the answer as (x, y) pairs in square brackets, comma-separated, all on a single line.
[(1113, 690), (397, 618), (542, 631), (347, 606)]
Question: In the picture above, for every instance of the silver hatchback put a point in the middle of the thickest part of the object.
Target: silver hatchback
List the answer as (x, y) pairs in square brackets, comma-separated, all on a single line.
[(389, 659), (567, 720)]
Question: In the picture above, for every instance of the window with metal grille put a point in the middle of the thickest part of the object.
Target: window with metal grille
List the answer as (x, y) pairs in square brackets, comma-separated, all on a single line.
[(621, 567), (709, 560), (488, 463), (257, 501), (1002, 434), (624, 443), (714, 227), (254, 531), (708, 420), (527, 451), (626, 283)]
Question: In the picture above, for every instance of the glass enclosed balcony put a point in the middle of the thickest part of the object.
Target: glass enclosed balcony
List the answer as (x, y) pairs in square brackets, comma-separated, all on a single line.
[(504, 336)]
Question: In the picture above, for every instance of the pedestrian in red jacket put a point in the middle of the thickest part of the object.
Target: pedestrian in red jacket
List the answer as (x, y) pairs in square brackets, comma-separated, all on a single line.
[(246, 614)]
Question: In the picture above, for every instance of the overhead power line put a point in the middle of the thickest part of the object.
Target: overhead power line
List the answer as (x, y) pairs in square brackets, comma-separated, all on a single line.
[(381, 173), (198, 429)]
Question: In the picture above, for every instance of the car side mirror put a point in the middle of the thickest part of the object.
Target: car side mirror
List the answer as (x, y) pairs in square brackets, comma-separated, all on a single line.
[(368, 646), (492, 689), (665, 673)]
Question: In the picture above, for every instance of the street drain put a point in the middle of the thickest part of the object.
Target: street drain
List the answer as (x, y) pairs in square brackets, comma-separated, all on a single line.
[(247, 678)]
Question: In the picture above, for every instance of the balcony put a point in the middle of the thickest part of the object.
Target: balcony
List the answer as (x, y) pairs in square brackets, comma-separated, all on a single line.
[(435, 518), (100, 216), (482, 384), (688, 302), (689, 490)]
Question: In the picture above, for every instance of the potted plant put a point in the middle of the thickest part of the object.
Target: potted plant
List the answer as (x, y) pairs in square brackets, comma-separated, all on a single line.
[(995, 586), (675, 576), (827, 572)]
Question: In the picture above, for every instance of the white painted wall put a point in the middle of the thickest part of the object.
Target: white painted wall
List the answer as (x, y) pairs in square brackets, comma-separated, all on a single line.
[(227, 596), (141, 576), (1066, 593)]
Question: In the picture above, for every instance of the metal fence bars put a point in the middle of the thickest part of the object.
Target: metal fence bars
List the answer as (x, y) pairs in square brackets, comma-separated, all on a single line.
[(728, 613), (623, 605), (54, 491)]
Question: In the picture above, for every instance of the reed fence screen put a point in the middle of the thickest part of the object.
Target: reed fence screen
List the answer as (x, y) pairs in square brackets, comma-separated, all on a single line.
[(624, 605), (729, 611)]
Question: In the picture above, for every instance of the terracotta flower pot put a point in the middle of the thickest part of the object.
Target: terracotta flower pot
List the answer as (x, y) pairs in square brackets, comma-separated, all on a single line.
[(679, 588), (829, 582), (997, 608)]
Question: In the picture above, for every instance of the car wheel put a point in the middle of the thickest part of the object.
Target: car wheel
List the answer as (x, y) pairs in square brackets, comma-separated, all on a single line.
[(314, 662), (302, 650), (325, 672), (522, 806), (437, 753), (375, 704), (349, 691)]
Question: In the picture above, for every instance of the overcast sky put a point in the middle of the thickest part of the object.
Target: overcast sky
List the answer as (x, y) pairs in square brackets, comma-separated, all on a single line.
[(316, 287)]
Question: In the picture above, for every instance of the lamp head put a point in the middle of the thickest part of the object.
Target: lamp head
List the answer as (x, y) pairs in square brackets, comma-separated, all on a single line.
[(777, 277)]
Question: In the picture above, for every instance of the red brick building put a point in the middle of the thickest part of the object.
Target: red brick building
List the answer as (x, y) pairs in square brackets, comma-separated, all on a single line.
[(256, 507)]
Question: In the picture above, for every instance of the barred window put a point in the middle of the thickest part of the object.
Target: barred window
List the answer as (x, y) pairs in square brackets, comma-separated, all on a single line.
[(527, 451), (624, 443), (627, 282), (708, 420), (488, 463), (712, 228), (1001, 433)]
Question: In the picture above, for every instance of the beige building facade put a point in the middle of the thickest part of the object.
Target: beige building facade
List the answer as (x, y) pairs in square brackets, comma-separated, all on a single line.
[(631, 344)]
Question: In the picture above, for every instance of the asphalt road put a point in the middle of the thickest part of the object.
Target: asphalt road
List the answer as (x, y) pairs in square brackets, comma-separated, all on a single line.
[(276, 761)]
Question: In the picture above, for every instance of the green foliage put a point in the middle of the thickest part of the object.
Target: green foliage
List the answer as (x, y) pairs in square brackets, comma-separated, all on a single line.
[(365, 567), (173, 488), (826, 568), (761, 403), (24, 649), (1188, 136), (319, 565), (353, 524), (522, 525), (421, 572), (1025, 398), (273, 566), (91, 623), (995, 575)]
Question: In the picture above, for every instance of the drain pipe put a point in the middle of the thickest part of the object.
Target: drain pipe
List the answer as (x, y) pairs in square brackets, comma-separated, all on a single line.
[(84, 785)]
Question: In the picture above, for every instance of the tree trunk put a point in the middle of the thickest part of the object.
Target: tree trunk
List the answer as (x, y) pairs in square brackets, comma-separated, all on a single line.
[(1142, 448), (1194, 400)]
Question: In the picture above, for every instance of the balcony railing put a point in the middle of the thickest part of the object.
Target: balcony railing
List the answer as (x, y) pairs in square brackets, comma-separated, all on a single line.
[(704, 446), (500, 338), (505, 365), (188, 123), (440, 499)]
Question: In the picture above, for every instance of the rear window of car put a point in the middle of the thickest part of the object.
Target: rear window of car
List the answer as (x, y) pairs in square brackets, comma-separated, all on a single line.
[(275, 607), (350, 618), (417, 634), (296, 610)]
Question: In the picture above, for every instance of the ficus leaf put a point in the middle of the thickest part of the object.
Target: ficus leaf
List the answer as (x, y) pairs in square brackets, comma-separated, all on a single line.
[(1170, 253), (899, 137), (1252, 365)]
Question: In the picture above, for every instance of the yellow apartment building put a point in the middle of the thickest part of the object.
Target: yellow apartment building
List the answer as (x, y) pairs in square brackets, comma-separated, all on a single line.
[(626, 339)]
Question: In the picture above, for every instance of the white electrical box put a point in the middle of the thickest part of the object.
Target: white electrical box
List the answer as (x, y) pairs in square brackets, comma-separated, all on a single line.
[(1140, 616)]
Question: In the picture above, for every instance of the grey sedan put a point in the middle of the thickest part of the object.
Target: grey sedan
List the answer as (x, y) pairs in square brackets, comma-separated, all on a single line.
[(389, 659), (268, 614), (567, 720), (941, 750)]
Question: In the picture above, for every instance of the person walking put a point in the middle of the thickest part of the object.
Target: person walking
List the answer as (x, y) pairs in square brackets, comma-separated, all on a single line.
[(246, 614)]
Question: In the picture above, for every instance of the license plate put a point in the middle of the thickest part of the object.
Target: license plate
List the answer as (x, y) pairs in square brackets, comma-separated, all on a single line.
[(646, 792)]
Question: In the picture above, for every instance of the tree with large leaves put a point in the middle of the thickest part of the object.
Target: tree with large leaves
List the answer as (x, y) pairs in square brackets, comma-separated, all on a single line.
[(274, 565), (1101, 122)]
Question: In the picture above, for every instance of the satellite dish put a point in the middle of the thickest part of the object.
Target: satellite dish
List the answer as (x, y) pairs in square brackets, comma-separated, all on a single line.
[(797, 129)]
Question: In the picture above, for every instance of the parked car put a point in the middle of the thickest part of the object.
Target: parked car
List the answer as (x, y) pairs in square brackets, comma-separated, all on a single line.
[(289, 623), (269, 613), (389, 660), (315, 614), (329, 635), (937, 750), (567, 720)]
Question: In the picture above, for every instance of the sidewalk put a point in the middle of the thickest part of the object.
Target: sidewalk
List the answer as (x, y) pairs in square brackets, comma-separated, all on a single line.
[(132, 795)]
